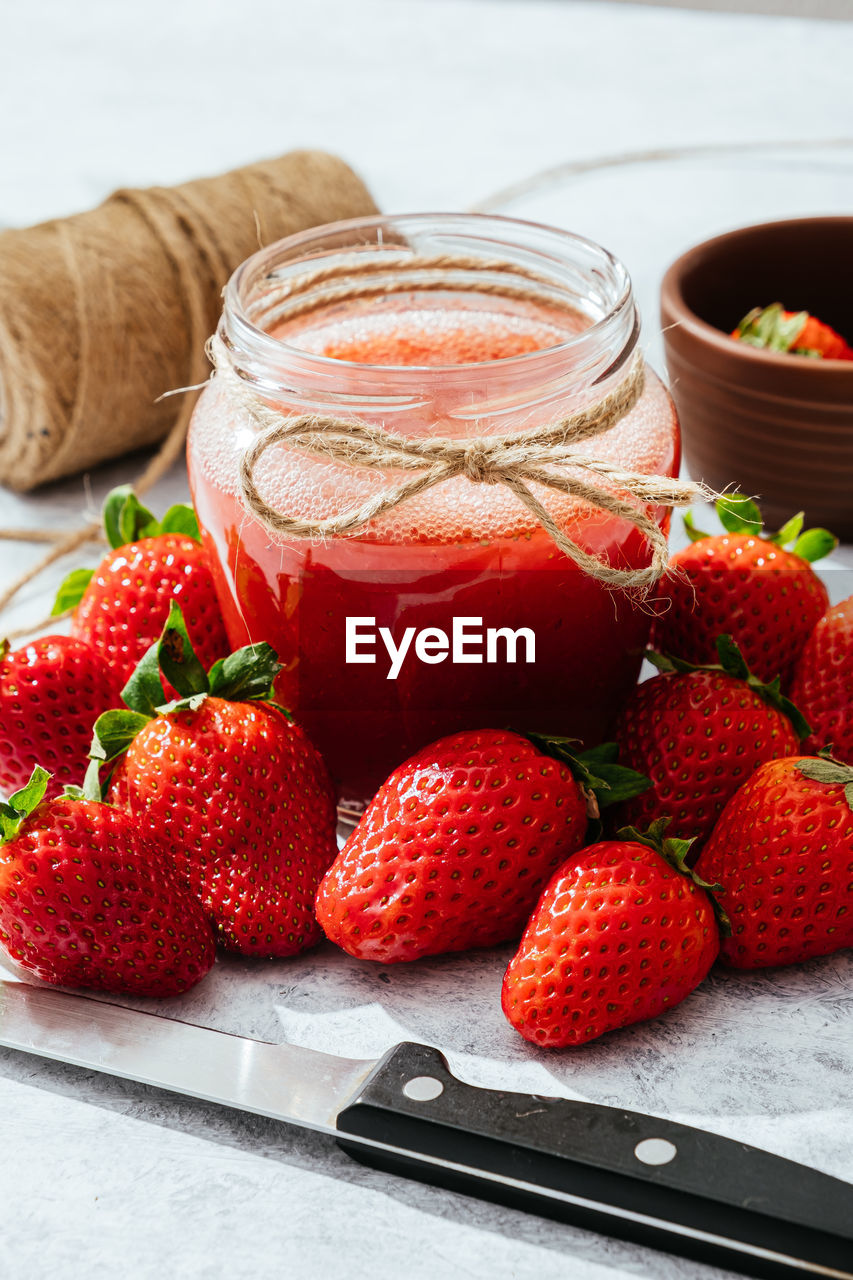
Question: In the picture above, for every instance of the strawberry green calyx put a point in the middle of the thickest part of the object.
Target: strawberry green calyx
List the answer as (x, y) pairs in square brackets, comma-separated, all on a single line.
[(811, 545), (126, 520), (172, 656), (732, 663), (832, 772), (90, 790), (774, 329), (739, 514), (247, 675), (19, 806), (71, 590), (675, 852), (603, 780)]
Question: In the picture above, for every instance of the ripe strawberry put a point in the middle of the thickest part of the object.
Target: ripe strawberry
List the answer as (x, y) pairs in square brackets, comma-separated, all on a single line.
[(120, 607), (455, 846), (86, 900), (783, 855), (797, 332), (233, 789), (746, 585), (823, 683), (697, 733), (621, 933), (51, 693)]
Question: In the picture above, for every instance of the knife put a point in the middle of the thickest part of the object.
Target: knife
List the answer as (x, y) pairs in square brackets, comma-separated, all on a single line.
[(618, 1172)]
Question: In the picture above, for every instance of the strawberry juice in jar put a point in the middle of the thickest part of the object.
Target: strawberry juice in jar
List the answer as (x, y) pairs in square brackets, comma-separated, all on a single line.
[(455, 609)]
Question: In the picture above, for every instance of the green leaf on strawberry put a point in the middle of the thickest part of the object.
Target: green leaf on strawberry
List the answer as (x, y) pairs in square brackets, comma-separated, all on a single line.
[(612, 782), (127, 520), (771, 327), (21, 804), (247, 675), (181, 519), (597, 770), (71, 590), (790, 531), (740, 514), (814, 544), (654, 837), (113, 733), (177, 658), (694, 534), (92, 788), (144, 691)]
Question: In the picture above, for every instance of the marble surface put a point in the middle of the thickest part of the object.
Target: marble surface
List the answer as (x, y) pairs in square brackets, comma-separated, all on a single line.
[(438, 103)]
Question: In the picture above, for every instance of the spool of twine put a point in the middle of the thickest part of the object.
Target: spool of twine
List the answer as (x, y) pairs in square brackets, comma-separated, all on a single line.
[(103, 312), (545, 457)]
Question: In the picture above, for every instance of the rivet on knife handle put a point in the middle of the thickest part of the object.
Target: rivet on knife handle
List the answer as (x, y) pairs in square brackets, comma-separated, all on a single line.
[(677, 1188)]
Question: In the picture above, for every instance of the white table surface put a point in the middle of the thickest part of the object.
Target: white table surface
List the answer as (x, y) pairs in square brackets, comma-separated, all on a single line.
[(437, 103)]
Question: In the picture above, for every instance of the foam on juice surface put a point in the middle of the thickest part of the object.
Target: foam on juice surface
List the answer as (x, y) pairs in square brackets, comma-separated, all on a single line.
[(429, 335)]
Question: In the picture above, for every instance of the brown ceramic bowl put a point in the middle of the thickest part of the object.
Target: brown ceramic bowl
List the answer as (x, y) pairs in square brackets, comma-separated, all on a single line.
[(774, 425)]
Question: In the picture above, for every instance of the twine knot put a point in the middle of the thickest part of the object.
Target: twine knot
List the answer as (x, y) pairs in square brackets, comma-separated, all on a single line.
[(478, 464)]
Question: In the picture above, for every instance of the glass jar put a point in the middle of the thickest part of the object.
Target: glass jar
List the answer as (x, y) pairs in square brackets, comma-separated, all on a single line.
[(462, 561)]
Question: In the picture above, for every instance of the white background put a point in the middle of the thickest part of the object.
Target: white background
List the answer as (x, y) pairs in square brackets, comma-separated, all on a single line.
[(436, 103)]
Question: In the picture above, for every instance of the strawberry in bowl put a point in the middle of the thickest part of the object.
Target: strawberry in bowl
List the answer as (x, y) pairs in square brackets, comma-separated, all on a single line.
[(797, 332)]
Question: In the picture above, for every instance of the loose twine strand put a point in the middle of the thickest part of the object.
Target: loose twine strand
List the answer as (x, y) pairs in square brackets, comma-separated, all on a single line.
[(515, 460), (92, 531)]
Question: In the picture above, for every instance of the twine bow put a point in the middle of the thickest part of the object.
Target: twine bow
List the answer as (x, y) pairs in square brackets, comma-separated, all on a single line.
[(515, 461)]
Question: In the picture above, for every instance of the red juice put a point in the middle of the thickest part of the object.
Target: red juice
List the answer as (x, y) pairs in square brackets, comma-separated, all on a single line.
[(458, 551)]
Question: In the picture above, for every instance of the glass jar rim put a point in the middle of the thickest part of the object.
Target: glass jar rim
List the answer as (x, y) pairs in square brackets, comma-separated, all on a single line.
[(617, 325)]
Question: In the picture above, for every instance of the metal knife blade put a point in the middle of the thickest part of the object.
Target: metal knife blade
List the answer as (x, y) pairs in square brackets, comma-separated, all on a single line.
[(284, 1082), (623, 1173)]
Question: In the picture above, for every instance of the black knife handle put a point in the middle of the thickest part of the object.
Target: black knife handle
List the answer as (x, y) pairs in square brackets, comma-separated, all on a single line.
[(711, 1198)]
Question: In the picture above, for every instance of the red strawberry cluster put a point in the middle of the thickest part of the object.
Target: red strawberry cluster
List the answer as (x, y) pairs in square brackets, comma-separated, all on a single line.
[(622, 873), (205, 816), (747, 852)]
